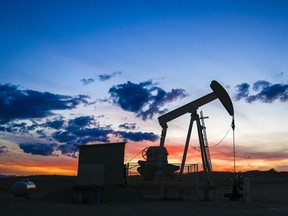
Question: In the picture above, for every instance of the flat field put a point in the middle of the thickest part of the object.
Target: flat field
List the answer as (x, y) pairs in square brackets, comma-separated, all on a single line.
[(54, 195)]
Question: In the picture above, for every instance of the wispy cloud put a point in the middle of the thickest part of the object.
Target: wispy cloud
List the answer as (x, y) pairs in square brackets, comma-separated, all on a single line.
[(145, 99), (87, 81), (3, 149), (128, 126), (105, 77), (262, 91), (102, 77), (224, 151)]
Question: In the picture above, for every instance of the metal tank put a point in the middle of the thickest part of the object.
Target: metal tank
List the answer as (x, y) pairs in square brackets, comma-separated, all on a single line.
[(23, 187), (148, 168)]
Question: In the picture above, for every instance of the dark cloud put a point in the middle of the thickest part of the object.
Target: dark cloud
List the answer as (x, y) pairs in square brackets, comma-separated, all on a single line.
[(89, 139), (67, 141), (130, 96), (64, 136), (159, 100), (87, 81), (87, 135), (69, 149), (242, 91), (19, 125), (259, 85), (6, 129), (55, 124), (19, 128), (144, 99), (13, 127), (93, 134), (3, 149), (26, 104), (38, 148), (82, 121), (137, 136), (29, 112), (262, 91), (105, 77), (10, 129), (41, 134), (82, 130), (33, 126), (128, 126)]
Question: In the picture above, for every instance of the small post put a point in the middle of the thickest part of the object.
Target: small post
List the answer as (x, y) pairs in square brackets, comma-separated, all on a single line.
[(246, 190)]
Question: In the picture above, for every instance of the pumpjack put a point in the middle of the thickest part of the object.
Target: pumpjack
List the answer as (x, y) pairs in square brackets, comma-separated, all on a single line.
[(156, 164)]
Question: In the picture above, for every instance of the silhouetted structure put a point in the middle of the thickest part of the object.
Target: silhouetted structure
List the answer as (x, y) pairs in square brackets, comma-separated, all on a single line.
[(101, 164), (160, 164)]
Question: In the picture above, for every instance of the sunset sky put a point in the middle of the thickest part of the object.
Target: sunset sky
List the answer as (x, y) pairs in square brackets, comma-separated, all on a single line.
[(81, 72)]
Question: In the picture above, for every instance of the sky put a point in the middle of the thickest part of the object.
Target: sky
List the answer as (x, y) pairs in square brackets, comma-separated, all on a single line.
[(83, 72)]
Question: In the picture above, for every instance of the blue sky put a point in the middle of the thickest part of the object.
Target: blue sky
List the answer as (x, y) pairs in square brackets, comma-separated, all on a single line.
[(78, 62)]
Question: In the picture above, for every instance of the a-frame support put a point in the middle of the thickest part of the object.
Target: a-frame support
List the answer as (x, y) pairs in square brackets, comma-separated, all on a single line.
[(204, 149)]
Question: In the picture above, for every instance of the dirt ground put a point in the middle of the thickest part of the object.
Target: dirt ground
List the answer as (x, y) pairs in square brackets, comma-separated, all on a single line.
[(54, 196)]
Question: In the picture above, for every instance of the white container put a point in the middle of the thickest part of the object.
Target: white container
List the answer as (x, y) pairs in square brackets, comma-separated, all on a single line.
[(23, 187)]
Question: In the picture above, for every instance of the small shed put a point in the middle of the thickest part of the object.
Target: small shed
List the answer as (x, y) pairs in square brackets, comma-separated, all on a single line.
[(101, 164)]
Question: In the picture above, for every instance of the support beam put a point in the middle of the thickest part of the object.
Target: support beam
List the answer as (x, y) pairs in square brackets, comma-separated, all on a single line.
[(187, 144), (205, 161)]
